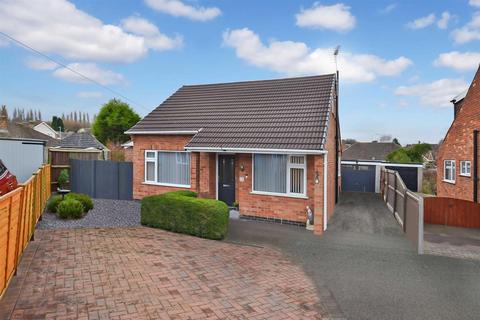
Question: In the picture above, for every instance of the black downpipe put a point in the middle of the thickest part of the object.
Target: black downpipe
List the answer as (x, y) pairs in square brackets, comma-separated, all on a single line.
[(475, 165), (337, 129)]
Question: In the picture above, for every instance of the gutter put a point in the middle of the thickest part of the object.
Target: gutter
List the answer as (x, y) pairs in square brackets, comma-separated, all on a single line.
[(178, 132), (254, 150), (475, 165)]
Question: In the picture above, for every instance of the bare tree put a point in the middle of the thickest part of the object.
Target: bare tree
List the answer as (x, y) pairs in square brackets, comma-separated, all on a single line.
[(385, 138)]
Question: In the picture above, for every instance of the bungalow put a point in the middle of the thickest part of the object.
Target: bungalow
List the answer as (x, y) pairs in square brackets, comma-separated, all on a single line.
[(270, 146), (458, 155)]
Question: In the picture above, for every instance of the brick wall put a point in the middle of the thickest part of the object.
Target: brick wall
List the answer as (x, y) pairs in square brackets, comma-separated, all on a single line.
[(458, 145), (158, 142)]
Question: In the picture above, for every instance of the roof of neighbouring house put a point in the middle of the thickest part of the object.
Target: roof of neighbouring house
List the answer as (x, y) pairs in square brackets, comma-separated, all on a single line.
[(82, 140), (21, 131), (460, 96), (290, 113), (369, 151)]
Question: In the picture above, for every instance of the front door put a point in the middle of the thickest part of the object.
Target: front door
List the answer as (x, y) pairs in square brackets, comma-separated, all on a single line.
[(226, 179)]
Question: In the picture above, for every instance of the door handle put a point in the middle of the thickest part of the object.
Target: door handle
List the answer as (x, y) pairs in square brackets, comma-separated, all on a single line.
[(226, 185)]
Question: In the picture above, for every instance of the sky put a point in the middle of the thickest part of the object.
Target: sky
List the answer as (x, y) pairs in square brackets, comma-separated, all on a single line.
[(400, 62)]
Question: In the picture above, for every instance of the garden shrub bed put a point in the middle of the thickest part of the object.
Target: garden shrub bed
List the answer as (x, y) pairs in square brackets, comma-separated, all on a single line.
[(182, 212), (72, 206)]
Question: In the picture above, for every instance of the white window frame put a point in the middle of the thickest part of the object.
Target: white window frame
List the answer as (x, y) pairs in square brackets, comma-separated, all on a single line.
[(155, 160), (453, 169), (289, 166), (465, 173)]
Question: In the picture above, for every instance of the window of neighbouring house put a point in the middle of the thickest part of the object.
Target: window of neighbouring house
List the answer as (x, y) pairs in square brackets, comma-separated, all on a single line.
[(449, 170), (279, 174), (167, 168), (465, 168)]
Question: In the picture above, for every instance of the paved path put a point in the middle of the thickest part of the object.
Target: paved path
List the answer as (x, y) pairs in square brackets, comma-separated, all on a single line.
[(369, 268), (105, 213), (461, 243), (143, 273)]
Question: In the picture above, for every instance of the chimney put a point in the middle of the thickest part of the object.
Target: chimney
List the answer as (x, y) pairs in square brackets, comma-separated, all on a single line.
[(3, 120)]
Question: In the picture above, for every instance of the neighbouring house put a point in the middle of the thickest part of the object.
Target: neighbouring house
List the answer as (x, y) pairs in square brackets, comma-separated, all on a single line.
[(22, 149), (45, 128), (458, 155), (270, 146), (82, 145), (362, 163)]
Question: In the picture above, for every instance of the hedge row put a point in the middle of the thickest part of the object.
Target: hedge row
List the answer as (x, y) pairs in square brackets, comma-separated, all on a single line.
[(183, 212)]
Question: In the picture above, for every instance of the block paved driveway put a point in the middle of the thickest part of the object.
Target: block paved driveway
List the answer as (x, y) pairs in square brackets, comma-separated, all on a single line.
[(143, 273), (369, 268)]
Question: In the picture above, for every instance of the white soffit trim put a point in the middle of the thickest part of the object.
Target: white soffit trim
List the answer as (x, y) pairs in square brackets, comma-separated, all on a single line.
[(253, 150), (181, 132), (383, 164)]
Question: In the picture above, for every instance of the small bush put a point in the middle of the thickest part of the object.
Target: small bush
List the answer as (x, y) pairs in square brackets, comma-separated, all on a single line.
[(183, 212), (63, 178), (84, 199), (53, 203), (70, 209)]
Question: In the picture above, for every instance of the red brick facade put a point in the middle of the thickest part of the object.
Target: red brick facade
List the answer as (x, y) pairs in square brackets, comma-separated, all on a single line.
[(458, 146), (204, 180)]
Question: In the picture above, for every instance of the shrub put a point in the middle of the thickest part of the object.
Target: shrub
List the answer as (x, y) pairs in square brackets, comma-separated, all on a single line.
[(70, 209), (63, 178), (84, 199), (183, 212), (53, 203)]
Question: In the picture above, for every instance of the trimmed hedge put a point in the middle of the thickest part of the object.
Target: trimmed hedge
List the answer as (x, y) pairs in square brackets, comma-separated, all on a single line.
[(84, 199), (70, 209), (182, 212)]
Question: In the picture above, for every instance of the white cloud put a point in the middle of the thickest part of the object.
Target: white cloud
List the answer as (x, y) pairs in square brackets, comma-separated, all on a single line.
[(58, 27), (422, 22), (442, 23), (40, 64), (389, 8), (475, 3), (436, 94), (89, 94), (335, 17), (458, 60), (154, 39), (469, 32), (177, 8), (296, 58), (90, 70)]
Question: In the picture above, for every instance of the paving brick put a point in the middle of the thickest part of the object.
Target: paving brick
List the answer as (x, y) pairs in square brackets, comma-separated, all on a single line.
[(143, 273)]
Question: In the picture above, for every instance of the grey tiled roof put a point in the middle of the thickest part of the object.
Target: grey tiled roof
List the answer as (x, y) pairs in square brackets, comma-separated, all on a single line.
[(369, 151), (21, 131), (267, 114), (82, 140)]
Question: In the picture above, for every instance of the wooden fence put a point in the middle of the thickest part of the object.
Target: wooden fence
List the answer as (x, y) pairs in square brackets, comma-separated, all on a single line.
[(452, 212), (20, 211), (406, 206)]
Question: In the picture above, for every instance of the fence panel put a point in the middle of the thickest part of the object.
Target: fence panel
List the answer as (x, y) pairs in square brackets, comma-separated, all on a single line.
[(20, 211), (102, 179), (406, 206), (452, 212)]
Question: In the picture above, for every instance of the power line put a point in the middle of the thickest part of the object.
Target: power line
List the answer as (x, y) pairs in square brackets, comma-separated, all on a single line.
[(72, 70)]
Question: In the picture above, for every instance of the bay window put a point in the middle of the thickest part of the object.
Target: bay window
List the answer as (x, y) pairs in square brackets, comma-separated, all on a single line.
[(279, 174), (170, 168), (449, 170)]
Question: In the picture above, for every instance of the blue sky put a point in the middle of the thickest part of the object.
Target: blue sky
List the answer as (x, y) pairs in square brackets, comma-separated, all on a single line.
[(400, 62)]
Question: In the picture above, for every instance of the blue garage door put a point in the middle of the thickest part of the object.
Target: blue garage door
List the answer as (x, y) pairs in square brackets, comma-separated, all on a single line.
[(409, 176), (358, 178)]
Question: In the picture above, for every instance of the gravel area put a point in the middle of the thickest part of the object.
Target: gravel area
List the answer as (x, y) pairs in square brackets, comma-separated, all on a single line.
[(105, 213)]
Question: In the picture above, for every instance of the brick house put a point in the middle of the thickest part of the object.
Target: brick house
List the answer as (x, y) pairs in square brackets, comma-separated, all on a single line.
[(271, 146), (458, 155)]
